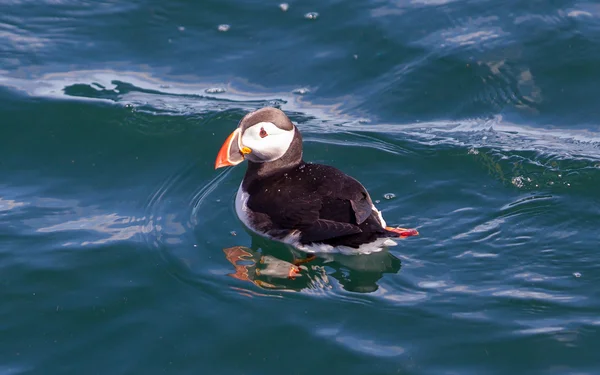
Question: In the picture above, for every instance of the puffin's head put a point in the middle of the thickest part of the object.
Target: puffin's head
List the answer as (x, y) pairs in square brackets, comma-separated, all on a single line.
[(261, 136)]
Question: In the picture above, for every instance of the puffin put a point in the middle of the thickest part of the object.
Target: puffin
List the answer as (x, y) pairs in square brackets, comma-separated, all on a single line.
[(315, 208)]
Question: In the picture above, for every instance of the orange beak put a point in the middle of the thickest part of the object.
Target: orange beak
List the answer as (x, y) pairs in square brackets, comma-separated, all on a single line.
[(230, 153)]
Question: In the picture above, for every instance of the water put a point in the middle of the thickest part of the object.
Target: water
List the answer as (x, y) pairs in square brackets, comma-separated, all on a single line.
[(120, 251)]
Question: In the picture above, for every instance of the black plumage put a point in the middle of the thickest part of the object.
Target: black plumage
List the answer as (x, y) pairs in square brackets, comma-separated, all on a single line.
[(319, 201)]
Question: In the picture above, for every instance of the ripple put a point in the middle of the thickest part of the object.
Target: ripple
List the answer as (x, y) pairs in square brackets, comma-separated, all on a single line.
[(22, 40), (203, 193), (402, 298), (432, 2), (432, 284), (473, 316), (536, 295), (530, 206), (118, 228), (533, 277), (559, 18), (522, 293), (478, 33), (65, 217), (539, 330), (475, 254), (166, 226), (489, 229), (9, 204), (361, 141), (499, 140), (366, 346), (505, 84)]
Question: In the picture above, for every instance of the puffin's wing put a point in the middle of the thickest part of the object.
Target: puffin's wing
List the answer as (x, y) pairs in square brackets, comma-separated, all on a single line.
[(320, 217), (299, 212), (345, 188), (362, 206), (325, 204), (307, 214), (326, 229)]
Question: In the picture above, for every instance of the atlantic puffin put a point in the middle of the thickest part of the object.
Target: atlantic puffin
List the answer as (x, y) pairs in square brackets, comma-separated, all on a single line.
[(313, 207)]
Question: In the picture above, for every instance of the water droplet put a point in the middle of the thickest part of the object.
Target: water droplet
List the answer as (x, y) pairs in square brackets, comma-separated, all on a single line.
[(301, 91), (377, 201), (284, 6), (311, 15), (473, 151), (301, 167), (223, 28), (389, 195), (355, 57), (233, 233), (181, 28), (214, 90), (576, 274)]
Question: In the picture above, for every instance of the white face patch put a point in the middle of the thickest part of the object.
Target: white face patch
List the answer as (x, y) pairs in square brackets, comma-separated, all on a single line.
[(267, 141)]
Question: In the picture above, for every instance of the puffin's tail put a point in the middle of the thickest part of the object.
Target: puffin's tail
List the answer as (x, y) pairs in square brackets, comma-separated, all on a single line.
[(401, 232)]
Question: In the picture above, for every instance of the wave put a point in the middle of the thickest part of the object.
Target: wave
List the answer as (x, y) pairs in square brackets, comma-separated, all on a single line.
[(145, 94)]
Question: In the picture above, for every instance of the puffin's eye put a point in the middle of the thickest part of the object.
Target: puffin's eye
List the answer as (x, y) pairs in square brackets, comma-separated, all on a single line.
[(263, 133)]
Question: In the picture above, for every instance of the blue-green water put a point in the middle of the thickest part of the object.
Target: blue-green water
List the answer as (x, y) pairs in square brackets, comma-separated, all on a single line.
[(119, 245)]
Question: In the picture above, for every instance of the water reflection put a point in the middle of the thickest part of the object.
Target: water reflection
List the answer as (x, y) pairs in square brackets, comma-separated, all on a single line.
[(272, 265), (8, 204)]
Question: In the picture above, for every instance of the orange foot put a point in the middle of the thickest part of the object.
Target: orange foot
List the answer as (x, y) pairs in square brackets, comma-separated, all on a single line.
[(403, 232), (293, 272)]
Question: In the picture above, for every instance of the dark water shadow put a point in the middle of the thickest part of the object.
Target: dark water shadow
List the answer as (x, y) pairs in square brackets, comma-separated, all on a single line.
[(273, 265)]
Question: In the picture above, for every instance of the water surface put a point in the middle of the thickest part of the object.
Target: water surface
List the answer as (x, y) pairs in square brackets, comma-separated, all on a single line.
[(473, 121)]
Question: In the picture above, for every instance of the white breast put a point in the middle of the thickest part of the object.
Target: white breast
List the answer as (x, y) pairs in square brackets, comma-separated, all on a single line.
[(241, 207)]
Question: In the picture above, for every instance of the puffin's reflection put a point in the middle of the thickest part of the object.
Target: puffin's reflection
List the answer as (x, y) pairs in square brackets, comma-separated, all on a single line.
[(273, 265)]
